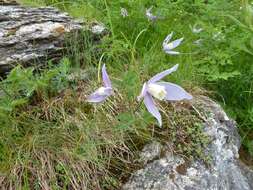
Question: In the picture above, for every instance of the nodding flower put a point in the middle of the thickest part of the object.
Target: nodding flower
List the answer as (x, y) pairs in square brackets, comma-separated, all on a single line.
[(169, 46), (154, 88), (103, 92), (123, 12), (196, 29), (149, 14)]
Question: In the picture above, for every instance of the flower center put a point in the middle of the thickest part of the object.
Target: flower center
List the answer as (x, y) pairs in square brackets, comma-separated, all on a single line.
[(157, 91), (103, 91), (170, 46)]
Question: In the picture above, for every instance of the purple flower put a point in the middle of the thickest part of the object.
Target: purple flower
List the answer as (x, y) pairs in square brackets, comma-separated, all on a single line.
[(196, 29), (149, 14), (103, 92), (162, 91), (169, 46)]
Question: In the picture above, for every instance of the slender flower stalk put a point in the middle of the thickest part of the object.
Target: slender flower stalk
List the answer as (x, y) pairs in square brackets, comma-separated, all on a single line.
[(169, 46), (103, 92), (154, 88)]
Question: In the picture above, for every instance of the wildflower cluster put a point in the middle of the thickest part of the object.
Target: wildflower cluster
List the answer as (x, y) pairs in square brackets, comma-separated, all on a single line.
[(153, 88)]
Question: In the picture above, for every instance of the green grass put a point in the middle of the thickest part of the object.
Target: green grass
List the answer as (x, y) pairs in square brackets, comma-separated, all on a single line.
[(51, 137)]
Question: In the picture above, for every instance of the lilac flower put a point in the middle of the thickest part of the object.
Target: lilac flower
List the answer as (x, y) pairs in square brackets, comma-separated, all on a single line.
[(196, 29), (103, 92), (149, 14), (169, 46), (162, 91), (123, 12)]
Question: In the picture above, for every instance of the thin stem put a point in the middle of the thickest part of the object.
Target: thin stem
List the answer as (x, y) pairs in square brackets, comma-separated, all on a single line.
[(99, 67), (109, 18)]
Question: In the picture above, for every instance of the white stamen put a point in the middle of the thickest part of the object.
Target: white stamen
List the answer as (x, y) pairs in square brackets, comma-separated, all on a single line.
[(157, 91), (102, 91), (169, 46)]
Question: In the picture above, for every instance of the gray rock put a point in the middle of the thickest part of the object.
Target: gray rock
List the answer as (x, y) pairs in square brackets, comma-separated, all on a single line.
[(226, 172), (32, 35), (8, 2), (150, 152)]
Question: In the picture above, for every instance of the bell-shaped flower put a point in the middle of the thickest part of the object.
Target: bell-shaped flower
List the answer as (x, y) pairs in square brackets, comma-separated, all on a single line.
[(154, 88), (123, 12), (149, 14), (169, 46), (103, 92)]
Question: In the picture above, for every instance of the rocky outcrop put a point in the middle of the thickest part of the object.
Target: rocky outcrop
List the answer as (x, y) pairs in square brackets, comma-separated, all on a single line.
[(172, 172), (8, 2), (34, 35)]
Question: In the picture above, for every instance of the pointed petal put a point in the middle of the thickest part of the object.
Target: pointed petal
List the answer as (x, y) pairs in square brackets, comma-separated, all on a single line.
[(175, 43), (95, 98), (197, 30), (151, 107), (99, 96), (172, 52), (175, 92), (163, 74), (149, 14), (143, 92), (148, 11), (106, 79), (167, 39)]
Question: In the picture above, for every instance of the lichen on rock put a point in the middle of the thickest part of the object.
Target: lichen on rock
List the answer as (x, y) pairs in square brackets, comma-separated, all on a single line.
[(224, 172), (32, 35)]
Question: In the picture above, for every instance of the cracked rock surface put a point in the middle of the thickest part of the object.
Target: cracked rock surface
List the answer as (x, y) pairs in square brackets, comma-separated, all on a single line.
[(32, 35), (171, 172)]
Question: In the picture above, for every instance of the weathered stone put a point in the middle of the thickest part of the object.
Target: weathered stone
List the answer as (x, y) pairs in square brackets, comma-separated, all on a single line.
[(8, 2), (29, 35), (150, 152), (225, 172)]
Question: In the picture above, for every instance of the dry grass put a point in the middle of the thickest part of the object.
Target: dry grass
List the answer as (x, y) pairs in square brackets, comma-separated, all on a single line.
[(67, 143)]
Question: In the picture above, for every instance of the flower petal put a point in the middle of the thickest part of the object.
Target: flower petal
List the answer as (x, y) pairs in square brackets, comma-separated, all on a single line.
[(106, 79), (149, 14), (167, 39), (174, 43), (175, 92), (163, 74), (172, 52), (143, 92), (151, 107), (97, 96)]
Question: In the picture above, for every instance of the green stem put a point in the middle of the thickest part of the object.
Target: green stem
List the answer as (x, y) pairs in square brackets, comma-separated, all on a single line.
[(109, 18)]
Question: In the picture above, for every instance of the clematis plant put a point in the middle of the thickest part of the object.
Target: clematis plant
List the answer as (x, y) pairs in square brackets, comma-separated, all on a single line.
[(103, 92), (169, 46), (196, 29), (149, 14), (154, 88)]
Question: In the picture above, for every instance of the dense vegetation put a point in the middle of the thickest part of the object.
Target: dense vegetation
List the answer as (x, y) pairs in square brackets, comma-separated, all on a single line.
[(49, 131)]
